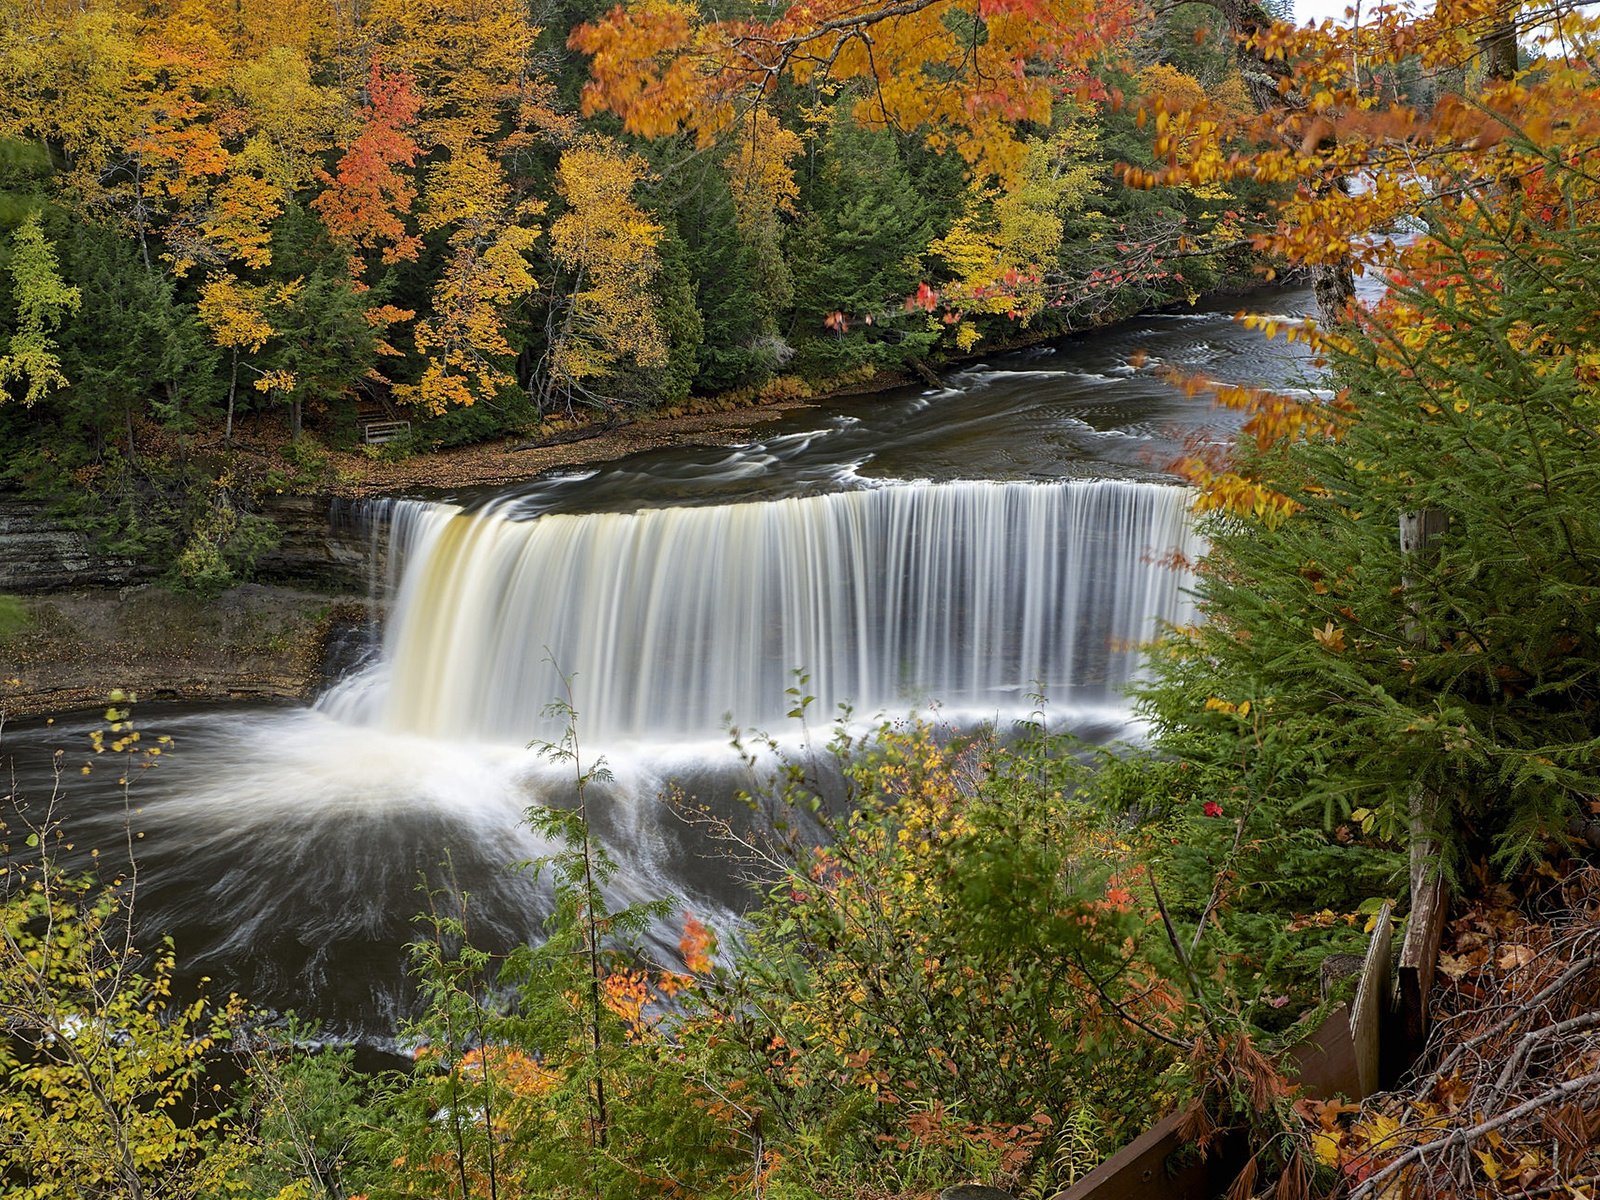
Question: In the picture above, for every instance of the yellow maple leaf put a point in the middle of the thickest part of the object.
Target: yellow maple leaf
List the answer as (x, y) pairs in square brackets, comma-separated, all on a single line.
[(1330, 637), (1326, 1147)]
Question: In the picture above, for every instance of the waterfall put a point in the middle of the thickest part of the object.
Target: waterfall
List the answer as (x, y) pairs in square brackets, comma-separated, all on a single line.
[(671, 620)]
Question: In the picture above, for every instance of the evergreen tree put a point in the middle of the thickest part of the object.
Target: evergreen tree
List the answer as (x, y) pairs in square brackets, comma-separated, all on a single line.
[(727, 284), (1473, 672), (681, 321), (856, 253), (324, 341), (134, 347)]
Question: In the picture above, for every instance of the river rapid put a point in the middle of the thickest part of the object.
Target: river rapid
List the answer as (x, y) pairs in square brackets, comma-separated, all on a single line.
[(960, 550)]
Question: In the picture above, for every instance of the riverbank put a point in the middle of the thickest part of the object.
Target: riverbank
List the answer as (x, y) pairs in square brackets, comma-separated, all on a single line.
[(262, 447), (253, 642), (269, 641)]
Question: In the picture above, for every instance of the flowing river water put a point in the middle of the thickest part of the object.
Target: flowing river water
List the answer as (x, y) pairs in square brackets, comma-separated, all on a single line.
[(1010, 535)]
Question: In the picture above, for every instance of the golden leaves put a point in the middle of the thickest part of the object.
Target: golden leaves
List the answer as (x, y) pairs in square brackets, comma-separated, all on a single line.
[(1330, 637), (42, 300), (758, 168), (237, 312), (958, 75), (609, 245), (1008, 237), (464, 336)]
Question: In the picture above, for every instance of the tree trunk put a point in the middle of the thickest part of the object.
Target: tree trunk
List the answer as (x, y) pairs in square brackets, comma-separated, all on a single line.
[(1420, 529), (1499, 50), (294, 419)]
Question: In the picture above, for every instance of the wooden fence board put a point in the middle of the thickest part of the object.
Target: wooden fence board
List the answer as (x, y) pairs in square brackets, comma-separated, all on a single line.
[(1325, 1063), (1419, 955), (1341, 1058), (1370, 1009), (1145, 1169)]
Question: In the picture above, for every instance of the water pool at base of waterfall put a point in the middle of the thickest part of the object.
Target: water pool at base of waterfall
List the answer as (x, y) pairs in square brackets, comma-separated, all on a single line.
[(962, 551)]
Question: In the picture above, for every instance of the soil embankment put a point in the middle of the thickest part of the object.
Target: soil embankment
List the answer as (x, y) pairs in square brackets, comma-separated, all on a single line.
[(253, 642), (503, 462)]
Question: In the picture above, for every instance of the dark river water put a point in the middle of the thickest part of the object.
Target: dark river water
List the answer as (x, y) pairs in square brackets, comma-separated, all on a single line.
[(284, 846)]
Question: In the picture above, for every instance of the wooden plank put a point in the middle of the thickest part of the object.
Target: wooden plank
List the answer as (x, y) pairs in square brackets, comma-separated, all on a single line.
[(1145, 1168), (376, 433), (1368, 1012), (1419, 955), (1325, 1063)]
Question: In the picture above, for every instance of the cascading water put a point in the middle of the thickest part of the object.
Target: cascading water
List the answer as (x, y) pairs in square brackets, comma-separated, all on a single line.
[(284, 845), (669, 620)]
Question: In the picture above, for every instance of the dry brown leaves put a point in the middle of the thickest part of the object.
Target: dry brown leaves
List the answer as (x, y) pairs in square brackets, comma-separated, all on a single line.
[(1505, 1101)]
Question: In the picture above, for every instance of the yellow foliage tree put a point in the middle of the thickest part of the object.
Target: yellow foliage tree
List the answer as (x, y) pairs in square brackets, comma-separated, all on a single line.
[(607, 245), (42, 300), (1000, 252), (464, 336), (102, 1069), (471, 62), (238, 316), (759, 168)]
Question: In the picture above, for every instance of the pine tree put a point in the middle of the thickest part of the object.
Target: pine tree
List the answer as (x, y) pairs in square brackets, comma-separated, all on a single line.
[(1362, 674), (857, 253), (135, 348), (726, 273)]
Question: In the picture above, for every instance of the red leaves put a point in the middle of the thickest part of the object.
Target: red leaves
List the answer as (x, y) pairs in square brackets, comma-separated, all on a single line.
[(696, 945), (368, 197), (925, 298)]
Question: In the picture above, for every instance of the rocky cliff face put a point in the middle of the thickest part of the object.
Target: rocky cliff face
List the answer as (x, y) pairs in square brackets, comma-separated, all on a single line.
[(40, 554), (316, 547), (94, 623)]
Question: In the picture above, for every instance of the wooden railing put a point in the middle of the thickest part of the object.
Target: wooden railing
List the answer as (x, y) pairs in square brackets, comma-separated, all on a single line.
[(376, 433)]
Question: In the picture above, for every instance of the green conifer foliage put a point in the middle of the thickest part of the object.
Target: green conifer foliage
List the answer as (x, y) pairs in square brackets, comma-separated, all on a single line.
[(1474, 671), (727, 277), (134, 344), (857, 253)]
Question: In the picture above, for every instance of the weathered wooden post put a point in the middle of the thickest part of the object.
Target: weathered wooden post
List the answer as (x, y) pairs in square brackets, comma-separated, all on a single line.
[(1368, 1011), (1420, 952)]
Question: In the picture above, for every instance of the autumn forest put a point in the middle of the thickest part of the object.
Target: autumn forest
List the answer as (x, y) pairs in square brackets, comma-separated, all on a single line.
[(476, 218), (848, 599)]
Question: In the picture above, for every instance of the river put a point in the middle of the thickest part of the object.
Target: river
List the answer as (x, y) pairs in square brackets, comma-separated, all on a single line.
[(961, 550)]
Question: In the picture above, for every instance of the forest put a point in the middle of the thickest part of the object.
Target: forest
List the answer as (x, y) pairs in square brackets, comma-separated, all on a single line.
[(233, 226), (988, 953)]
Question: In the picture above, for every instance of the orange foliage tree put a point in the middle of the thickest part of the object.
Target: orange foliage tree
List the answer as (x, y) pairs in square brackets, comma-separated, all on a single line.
[(1373, 133), (962, 75)]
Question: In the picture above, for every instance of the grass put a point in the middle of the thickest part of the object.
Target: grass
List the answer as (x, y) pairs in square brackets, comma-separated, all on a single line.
[(15, 616)]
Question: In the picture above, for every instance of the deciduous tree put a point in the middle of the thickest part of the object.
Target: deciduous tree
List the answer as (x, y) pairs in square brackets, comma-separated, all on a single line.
[(606, 245), (43, 299)]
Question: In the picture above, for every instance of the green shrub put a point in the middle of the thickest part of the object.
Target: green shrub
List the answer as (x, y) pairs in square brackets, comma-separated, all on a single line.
[(930, 992)]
